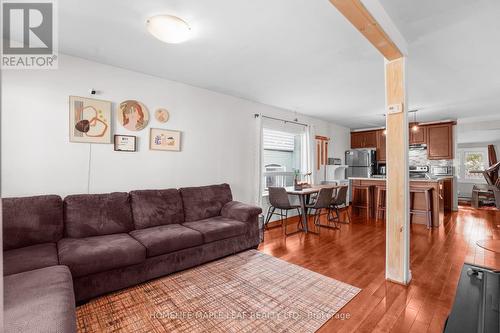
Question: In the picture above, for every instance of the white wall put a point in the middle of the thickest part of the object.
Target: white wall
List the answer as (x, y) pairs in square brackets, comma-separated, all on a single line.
[(218, 133)]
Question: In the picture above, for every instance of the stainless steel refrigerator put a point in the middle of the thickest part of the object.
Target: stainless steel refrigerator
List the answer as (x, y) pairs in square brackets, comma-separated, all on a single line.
[(360, 162)]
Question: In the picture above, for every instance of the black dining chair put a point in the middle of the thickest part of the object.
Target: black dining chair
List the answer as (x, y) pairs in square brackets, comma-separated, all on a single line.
[(278, 198), (338, 204), (322, 203)]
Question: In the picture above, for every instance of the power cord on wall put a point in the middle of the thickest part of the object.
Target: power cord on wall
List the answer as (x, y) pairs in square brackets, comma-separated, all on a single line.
[(89, 169)]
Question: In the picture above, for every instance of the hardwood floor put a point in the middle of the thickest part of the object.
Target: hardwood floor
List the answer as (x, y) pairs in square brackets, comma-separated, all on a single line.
[(356, 255)]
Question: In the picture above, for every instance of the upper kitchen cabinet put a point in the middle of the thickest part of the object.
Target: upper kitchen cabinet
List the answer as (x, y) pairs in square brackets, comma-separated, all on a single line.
[(419, 136), (364, 139), (381, 146), (357, 140), (440, 141)]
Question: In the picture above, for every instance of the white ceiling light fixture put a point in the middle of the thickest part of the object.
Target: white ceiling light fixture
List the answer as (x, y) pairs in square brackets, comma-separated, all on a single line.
[(168, 28)]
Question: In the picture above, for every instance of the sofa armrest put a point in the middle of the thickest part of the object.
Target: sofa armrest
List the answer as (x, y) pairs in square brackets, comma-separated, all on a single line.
[(240, 211)]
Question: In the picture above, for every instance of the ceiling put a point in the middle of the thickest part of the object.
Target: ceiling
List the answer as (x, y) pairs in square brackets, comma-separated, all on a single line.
[(302, 55)]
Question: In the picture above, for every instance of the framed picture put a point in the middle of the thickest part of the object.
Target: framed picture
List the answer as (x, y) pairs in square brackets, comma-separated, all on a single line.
[(162, 139), (133, 115), (89, 120), (125, 143), (162, 115)]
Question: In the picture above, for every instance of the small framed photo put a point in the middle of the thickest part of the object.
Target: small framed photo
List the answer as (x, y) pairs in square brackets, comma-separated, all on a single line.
[(162, 139), (125, 143)]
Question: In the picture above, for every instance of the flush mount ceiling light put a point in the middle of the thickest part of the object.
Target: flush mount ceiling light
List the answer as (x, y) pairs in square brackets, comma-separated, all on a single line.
[(168, 28)]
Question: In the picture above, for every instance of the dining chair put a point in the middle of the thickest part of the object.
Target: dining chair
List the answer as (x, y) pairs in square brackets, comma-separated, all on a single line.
[(322, 203), (278, 199), (338, 204)]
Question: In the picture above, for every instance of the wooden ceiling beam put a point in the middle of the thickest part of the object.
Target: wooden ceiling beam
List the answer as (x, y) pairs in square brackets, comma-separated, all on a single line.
[(356, 13)]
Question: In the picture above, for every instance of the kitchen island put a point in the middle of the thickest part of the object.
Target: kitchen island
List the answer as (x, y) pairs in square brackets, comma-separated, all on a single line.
[(441, 196)]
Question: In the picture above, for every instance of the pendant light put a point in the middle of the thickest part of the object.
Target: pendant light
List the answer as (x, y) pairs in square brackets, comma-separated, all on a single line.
[(414, 126)]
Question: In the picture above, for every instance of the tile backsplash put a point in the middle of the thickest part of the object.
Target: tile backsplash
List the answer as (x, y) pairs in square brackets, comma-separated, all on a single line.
[(419, 157)]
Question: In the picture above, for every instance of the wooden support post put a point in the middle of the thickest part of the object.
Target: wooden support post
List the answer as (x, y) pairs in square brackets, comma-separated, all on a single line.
[(370, 18), (397, 221)]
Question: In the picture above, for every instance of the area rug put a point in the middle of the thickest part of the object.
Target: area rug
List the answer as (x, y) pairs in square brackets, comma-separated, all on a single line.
[(246, 292)]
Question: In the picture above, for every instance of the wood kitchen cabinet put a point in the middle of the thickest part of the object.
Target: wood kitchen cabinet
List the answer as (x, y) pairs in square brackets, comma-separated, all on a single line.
[(366, 139), (381, 150), (440, 141), (419, 136), (357, 140)]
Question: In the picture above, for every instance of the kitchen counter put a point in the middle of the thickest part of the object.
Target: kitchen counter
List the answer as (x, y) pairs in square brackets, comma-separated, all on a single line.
[(437, 179), (441, 196)]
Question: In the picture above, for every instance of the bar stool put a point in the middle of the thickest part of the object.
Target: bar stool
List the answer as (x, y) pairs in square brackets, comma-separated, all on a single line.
[(427, 212), (380, 201), (367, 204)]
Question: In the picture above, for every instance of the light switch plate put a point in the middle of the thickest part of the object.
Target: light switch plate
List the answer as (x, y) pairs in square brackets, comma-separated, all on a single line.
[(394, 108)]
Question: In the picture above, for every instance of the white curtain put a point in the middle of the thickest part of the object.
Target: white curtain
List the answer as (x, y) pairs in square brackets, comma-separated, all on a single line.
[(258, 161), (309, 152)]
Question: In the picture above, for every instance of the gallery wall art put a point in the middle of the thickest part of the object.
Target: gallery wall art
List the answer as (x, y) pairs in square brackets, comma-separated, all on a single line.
[(133, 115), (162, 139), (89, 120), (162, 115)]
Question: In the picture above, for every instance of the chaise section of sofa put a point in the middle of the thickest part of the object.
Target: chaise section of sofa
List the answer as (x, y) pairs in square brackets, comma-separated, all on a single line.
[(38, 294), (40, 300)]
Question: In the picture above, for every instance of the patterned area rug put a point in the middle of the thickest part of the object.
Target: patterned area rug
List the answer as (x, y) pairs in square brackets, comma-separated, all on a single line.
[(247, 292)]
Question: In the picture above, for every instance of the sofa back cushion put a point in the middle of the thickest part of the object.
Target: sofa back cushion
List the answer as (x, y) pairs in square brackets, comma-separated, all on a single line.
[(87, 215), (151, 208), (205, 201), (32, 220)]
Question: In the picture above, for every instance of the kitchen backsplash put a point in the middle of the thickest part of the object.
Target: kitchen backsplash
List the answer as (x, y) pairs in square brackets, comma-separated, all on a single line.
[(419, 157)]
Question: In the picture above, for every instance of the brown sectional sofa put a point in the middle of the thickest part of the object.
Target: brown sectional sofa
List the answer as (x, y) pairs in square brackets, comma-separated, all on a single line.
[(92, 244)]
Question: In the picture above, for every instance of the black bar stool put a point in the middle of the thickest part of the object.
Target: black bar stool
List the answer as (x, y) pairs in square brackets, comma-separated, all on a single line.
[(427, 212)]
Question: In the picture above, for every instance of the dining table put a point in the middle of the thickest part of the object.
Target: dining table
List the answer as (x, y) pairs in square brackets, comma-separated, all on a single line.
[(304, 195)]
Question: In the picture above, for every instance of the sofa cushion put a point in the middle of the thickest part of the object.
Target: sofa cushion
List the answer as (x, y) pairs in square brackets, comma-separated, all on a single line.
[(205, 201), (167, 238), (96, 254), (29, 258), (216, 228), (41, 300), (151, 208), (87, 215), (31, 220)]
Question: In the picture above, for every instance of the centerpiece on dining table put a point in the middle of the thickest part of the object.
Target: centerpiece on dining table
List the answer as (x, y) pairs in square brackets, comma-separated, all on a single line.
[(298, 184)]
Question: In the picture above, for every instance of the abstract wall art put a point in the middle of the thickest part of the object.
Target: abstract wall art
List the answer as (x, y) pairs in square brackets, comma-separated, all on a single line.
[(162, 115), (89, 120), (162, 139), (133, 115)]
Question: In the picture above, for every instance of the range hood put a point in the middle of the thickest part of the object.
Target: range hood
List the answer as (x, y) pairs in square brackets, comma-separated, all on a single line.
[(418, 147)]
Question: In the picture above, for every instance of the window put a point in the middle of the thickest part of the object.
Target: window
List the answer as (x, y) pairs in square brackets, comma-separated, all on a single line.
[(472, 159), (283, 156)]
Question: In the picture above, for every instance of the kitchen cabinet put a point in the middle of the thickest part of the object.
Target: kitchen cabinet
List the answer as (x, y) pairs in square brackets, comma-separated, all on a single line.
[(438, 137), (381, 148), (366, 139), (418, 136), (440, 141), (357, 140)]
